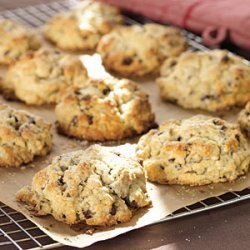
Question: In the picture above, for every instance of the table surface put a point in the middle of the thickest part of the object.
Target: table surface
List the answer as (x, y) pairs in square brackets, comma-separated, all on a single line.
[(223, 228)]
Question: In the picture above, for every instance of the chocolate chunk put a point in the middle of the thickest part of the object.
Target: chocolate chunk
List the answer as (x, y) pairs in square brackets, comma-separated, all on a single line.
[(127, 61), (106, 91), (225, 58), (171, 160), (60, 181), (64, 216), (237, 137), (217, 122), (113, 209), (179, 138), (32, 120), (173, 63), (87, 214), (132, 204), (90, 119)]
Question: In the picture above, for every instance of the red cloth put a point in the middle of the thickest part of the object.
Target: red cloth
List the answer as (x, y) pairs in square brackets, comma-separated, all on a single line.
[(216, 20)]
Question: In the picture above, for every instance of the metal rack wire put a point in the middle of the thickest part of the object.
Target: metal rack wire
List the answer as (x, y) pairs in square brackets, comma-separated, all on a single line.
[(17, 232)]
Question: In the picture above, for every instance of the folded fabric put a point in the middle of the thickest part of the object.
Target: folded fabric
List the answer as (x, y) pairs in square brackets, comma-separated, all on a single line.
[(216, 20)]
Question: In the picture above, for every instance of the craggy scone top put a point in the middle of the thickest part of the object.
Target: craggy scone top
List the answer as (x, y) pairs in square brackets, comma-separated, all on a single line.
[(23, 136), (139, 50), (15, 40), (108, 109), (210, 80), (95, 186), (82, 27), (41, 77), (195, 151)]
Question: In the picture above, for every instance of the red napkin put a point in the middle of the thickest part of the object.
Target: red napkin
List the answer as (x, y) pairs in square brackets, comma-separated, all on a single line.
[(216, 20)]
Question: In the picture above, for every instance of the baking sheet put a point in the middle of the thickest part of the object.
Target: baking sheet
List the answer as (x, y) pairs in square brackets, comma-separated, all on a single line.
[(165, 199)]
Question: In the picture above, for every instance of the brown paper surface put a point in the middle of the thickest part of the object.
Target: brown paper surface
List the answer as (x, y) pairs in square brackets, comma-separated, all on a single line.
[(165, 198)]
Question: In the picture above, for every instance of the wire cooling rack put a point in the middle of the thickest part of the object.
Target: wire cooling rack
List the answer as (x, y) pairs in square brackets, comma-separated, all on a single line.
[(17, 232)]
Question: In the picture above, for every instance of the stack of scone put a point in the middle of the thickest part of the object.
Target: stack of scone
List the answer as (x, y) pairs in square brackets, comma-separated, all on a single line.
[(98, 186)]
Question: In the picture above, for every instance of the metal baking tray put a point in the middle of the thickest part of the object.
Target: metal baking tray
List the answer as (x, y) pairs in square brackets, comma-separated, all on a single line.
[(17, 232)]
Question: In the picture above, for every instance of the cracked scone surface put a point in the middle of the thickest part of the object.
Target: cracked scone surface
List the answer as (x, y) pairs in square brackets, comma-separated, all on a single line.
[(15, 40), (195, 151), (42, 76), (210, 80), (139, 50), (244, 119), (103, 110), (95, 186), (82, 27), (23, 136)]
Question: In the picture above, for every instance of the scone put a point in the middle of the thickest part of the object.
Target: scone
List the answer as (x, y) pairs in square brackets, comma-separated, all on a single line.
[(210, 80), (41, 77), (15, 40), (195, 151), (104, 110), (96, 186), (244, 119), (23, 136), (139, 50), (82, 27)]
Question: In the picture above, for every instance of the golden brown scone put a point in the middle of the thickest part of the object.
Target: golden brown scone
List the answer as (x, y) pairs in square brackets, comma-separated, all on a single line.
[(210, 80), (15, 40), (195, 151), (103, 110), (139, 50), (41, 77), (23, 136), (82, 27), (95, 186), (244, 120)]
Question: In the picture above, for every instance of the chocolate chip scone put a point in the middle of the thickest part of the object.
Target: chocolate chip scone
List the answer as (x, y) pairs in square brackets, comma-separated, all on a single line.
[(23, 136), (210, 80), (139, 50), (195, 151), (82, 27), (94, 186), (103, 110), (15, 40), (244, 120), (41, 77)]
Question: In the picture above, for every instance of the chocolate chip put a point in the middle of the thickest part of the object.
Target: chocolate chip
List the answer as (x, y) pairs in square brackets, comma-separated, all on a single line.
[(247, 113), (127, 61), (173, 63), (32, 120), (113, 209), (217, 122), (90, 119), (237, 137), (60, 181), (223, 128), (162, 167), (64, 216), (87, 214), (225, 58), (179, 138), (171, 160), (106, 91), (132, 204)]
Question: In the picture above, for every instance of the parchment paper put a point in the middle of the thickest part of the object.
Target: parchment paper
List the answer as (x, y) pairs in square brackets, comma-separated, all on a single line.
[(165, 198)]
